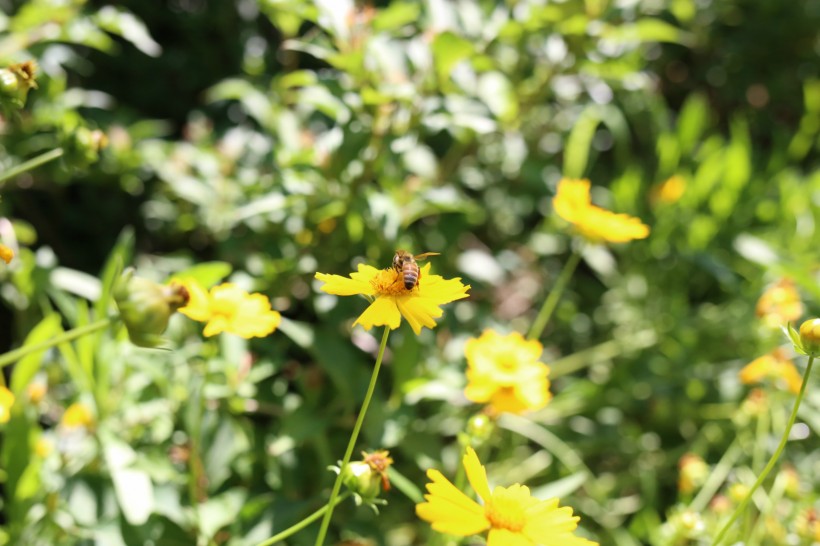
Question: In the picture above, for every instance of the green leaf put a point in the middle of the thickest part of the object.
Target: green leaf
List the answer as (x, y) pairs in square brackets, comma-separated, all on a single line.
[(449, 50), (132, 487), (576, 154), (206, 274), (217, 512), (27, 366), (647, 30), (117, 258), (395, 16), (692, 121)]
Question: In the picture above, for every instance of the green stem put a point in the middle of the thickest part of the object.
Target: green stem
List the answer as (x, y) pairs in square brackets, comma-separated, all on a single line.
[(31, 164), (320, 539), (15, 355), (551, 302), (717, 477), (302, 524), (772, 461)]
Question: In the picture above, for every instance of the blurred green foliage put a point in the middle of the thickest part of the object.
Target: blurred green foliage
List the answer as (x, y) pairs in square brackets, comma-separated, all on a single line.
[(285, 138)]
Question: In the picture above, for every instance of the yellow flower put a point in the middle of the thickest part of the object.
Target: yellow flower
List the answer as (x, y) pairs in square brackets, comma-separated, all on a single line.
[(776, 366), (693, 473), (391, 300), (510, 514), (228, 308), (6, 254), (77, 415), (573, 203), (505, 372), (6, 402), (669, 191), (779, 304)]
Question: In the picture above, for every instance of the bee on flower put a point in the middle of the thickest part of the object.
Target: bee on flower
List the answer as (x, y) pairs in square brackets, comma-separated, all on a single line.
[(389, 295)]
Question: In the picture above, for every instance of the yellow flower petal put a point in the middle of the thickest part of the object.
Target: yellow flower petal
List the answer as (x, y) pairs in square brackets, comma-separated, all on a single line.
[(504, 537), (382, 312), (572, 203), (358, 283), (6, 402), (197, 307), (228, 308), (476, 474), (6, 254), (449, 510)]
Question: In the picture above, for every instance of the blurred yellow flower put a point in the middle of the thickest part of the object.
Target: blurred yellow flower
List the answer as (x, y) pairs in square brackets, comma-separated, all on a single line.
[(6, 254), (693, 472), (779, 304), (6, 402), (669, 191), (573, 203), (505, 372), (228, 308), (36, 391), (511, 515), (43, 448), (391, 300), (77, 415), (776, 366)]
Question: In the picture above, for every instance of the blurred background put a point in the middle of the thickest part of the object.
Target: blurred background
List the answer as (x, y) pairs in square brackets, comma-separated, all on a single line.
[(281, 138)]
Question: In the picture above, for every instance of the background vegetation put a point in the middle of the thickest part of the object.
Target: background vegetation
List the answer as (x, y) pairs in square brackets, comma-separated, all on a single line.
[(289, 137)]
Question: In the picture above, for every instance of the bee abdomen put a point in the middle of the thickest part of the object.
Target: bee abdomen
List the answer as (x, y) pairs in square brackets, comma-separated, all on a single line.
[(410, 275)]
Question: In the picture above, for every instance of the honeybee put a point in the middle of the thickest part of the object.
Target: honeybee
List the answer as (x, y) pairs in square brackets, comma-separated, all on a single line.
[(405, 264)]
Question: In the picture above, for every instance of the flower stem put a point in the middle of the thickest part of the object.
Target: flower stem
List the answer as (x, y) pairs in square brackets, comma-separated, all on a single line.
[(302, 524), (554, 296), (15, 355), (31, 164), (772, 461), (320, 539)]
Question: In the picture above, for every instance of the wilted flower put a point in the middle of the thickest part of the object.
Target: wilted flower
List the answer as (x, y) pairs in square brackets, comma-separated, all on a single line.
[(6, 402), (511, 515), (505, 372), (77, 415), (146, 306), (779, 304), (228, 308), (573, 203), (391, 300), (776, 366)]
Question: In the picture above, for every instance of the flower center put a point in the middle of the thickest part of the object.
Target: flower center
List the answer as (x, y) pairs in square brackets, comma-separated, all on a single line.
[(223, 307), (388, 282), (505, 511)]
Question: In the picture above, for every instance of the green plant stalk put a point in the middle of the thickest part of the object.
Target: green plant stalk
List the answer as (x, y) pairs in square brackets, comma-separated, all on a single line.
[(543, 317), (32, 163), (15, 355), (742, 506), (302, 524), (717, 477), (320, 538)]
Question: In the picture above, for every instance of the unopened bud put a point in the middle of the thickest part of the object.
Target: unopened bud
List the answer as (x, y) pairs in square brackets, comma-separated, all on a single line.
[(15, 82), (361, 479), (146, 306), (810, 337)]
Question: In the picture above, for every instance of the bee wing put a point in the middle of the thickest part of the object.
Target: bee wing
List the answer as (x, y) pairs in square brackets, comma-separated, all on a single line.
[(425, 255)]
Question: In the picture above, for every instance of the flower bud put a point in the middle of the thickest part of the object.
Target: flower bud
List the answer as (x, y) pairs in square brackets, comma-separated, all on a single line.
[(15, 82), (480, 427), (810, 337), (361, 479), (145, 307), (368, 477), (84, 145)]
